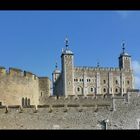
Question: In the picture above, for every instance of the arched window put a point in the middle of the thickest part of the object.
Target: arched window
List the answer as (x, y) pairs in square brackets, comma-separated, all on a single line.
[(116, 81), (104, 90), (28, 102), (91, 89), (104, 81), (116, 90), (128, 82), (23, 103), (78, 89)]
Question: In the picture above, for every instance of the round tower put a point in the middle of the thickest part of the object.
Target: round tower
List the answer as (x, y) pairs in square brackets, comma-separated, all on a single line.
[(56, 73)]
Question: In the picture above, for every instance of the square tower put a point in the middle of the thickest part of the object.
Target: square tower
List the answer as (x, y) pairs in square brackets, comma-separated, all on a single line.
[(67, 71), (125, 60)]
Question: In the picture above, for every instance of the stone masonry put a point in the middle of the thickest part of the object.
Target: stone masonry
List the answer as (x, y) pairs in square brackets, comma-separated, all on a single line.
[(82, 98), (73, 80), (74, 113)]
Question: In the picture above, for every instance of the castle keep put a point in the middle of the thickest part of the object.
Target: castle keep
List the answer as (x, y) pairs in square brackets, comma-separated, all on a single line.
[(23, 88), (86, 81), (82, 98)]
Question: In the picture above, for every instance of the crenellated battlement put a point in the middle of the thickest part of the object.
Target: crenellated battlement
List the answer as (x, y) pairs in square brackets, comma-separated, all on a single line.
[(19, 87), (30, 75), (2, 71), (16, 72), (97, 68)]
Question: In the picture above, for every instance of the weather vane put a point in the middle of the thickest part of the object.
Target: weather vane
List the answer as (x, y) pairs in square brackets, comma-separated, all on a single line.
[(123, 45), (56, 66), (66, 42)]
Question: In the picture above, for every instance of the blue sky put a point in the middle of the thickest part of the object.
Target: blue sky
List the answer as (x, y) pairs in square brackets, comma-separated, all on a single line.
[(33, 40)]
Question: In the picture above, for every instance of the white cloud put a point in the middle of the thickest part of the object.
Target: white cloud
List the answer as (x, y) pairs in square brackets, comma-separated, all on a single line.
[(136, 69), (124, 14)]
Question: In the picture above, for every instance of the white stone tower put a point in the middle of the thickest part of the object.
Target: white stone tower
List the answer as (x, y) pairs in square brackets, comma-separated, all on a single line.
[(125, 67), (124, 59), (55, 75), (67, 70)]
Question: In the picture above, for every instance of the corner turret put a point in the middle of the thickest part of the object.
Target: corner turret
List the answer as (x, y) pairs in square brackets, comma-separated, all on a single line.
[(67, 70), (56, 73), (124, 59)]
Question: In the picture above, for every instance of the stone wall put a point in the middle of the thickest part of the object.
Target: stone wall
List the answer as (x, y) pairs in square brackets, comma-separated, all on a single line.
[(18, 87), (58, 86), (77, 101), (44, 87), (90, 80), (81, 117)]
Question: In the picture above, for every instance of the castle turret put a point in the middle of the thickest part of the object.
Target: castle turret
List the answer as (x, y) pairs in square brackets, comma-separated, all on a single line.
[(124, 59), (67, 70), (56, 73), (126, 80)]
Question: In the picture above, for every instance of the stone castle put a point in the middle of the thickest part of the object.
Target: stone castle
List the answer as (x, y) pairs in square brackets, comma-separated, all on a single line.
[(23, 88), (82, 97), (92, 81)]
